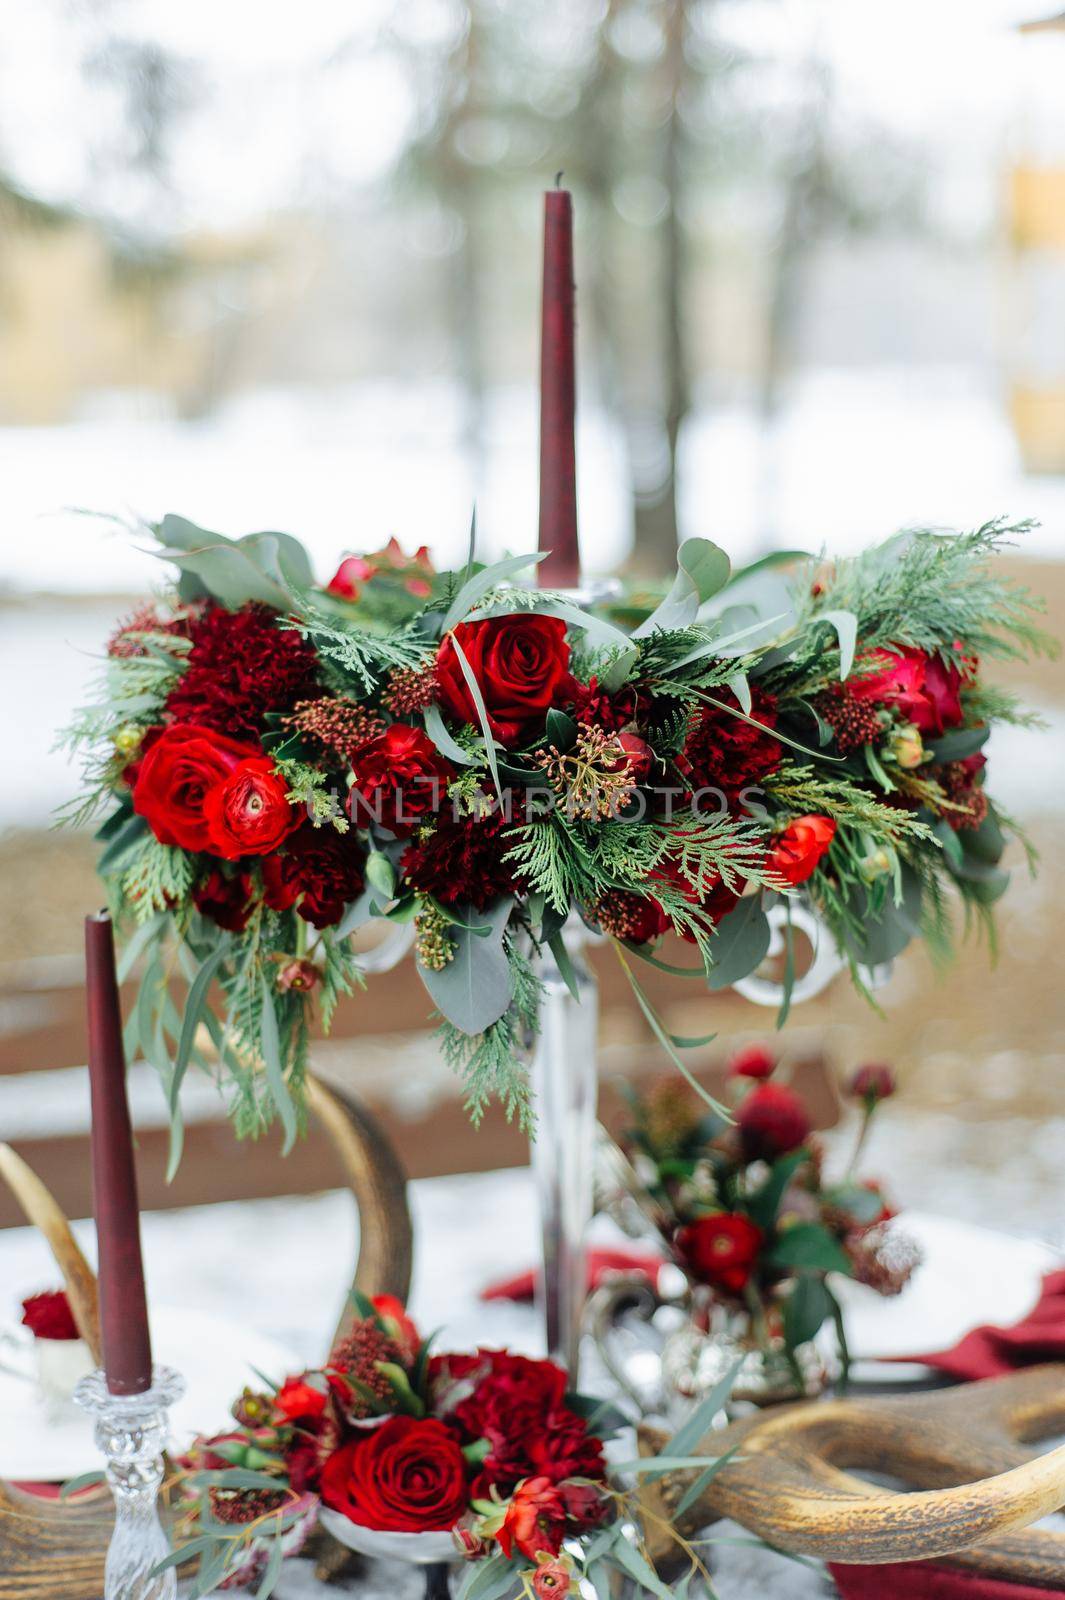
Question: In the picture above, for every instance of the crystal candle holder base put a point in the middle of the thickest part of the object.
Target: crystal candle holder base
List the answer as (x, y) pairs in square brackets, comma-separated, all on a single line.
[(131, 1431)]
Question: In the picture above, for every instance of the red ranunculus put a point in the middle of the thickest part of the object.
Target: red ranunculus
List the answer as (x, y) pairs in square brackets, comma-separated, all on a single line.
[(721, 1250), (552, 1579), (407, 1476), (48, 1316), (226, 901), (297, 1401), (798, 850), (249, 814), (772, 1120), (535, 1520), (400, 777), (753, 1061), (521, 664), (318, 871), (174, 778), (923, 688)]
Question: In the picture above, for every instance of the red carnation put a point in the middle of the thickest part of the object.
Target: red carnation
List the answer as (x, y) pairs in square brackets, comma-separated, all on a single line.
[(721, 1250), (509, 1385), (923, 688), (249, 813), (242, 665), (400, 777), (408, 1476), (227, 901), (798, 851), (521, 665), (461, 861), (174, 777), (318, 872), (609, 710), (722, 751), (299, 1401), (772, 1120), (48, 1316), (754, 1061), (535, 1520)]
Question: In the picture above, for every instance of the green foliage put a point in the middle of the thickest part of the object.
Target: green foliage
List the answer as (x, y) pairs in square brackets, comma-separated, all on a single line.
[(494, 1064), (359, 659), (159, 877)]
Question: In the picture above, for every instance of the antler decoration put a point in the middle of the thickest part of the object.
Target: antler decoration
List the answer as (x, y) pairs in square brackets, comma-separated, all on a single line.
[(43, 1212), (789, 1483)]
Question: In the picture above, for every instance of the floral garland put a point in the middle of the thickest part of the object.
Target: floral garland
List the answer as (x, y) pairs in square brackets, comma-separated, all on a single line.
[(748, 1212), (282, 763), (489, 1448)]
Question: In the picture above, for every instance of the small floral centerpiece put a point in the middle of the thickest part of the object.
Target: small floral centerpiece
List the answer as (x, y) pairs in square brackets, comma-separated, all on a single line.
[(281, 762), (484, 1458), (60, 1356), (750, 1214)]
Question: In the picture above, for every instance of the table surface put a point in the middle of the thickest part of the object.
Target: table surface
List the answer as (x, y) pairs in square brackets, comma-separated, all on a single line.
[(294, 1259)]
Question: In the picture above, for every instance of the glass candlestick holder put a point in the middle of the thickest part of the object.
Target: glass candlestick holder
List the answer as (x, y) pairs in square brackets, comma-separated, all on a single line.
[(131, 1431)]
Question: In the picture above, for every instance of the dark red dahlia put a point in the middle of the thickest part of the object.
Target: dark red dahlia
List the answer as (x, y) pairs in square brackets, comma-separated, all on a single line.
[(227, 901), (724, 752), (460, 862), (241, 666), (317, 871)]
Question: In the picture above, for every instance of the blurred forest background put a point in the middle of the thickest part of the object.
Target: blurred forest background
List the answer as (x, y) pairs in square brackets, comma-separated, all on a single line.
[(280, 269)]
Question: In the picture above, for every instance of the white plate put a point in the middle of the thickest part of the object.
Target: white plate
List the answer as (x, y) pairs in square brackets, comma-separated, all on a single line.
[(214, 1354), (969, 1276)]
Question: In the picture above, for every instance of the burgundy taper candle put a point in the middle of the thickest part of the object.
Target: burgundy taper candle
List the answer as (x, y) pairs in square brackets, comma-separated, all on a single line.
[(123, 1308), (561, 569)]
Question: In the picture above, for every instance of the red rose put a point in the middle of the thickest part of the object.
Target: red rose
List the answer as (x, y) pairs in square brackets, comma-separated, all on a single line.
[(226, 901), (173, 780), (408, 1476), (754, 1061), (297, 1400), (721, 1250), (772, 1120), (923, 688), (48, 1316), (521, 664), (535, 1520), (249, 814), (798, 850), (400, 777), (318, 871)]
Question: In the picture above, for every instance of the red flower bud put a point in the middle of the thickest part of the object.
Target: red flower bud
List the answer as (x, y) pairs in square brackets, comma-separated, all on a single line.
[(753, 1061), (772, 1120), (872, 1082)]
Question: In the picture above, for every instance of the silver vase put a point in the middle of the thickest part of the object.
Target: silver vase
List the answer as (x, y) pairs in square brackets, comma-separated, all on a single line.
[(564, 1074)]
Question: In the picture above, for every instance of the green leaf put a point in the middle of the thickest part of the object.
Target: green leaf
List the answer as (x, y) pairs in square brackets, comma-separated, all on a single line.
[(702, 569), (194, 1004), (490, 1579), (694, 1490), (122, 845), (275, 1072), (701, 1421), (741, 689), (482, 714), (449, 747), (557, 945), (726, 644), (380, 874), (805, 1309), (809, 1247), (483, 583), (561, 730), (959, 743), (741, 943), (636, 1564), (84, 1480), (845, 624), (841, 1340), (764, 1204), (236, 1478), (273, 1569), (183, 1552), (135, 946), (477, 985), (666, 1041)]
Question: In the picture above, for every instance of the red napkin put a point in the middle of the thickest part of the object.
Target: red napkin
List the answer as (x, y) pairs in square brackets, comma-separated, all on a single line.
[(600, 1264), (918, 1580), (991, 1352)]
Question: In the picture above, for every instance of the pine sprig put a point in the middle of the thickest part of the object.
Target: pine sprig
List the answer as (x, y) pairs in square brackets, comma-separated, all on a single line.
[(360, 658), (802, 790)]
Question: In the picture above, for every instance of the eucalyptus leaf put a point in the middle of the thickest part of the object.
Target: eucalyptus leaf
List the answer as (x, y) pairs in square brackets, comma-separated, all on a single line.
[(483, 583), (845, 624), (122, 844), (740, 943), (197, 999), (959, 743), (482, 714), (380, 874), (702, 569), (445, 743), (805, 1309), (477, 985)]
